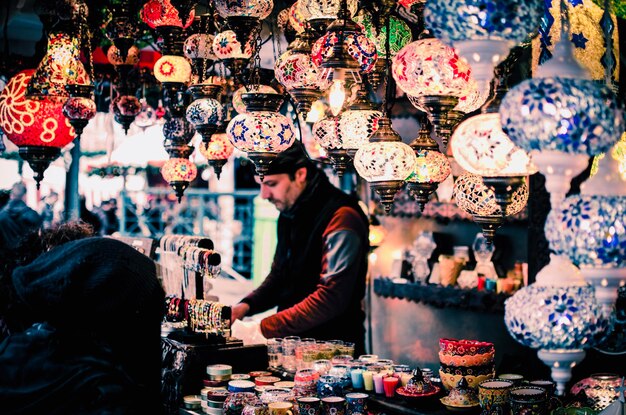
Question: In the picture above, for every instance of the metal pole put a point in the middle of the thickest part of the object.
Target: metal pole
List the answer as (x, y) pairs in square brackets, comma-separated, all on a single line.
[(72, 205)]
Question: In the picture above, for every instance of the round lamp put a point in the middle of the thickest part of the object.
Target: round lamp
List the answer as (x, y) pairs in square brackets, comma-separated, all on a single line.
[(172, 69), (179, 173), (559, 315), (590, 228), (217, 151), (483, 31), (115, 58), (385, 162), (261, 131), (37, 127), (160, 13), (474, 197), (205, 112), (434, 74), (80, 106)]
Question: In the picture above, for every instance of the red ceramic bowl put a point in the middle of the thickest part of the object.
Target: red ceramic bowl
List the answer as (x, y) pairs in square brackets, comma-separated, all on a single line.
[(456, 347)]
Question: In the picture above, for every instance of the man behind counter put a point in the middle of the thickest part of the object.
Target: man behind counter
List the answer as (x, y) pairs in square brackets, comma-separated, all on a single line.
[(317, 278)]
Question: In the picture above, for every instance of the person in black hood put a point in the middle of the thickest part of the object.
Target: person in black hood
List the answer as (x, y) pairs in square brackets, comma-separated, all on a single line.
[(317, 278), (95, 348)]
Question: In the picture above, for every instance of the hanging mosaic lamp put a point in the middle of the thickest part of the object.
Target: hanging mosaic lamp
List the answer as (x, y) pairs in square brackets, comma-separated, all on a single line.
[(342, 54), (173, 70), (434, 74), (80, 107), (359, 122), (261, 131), (321, 13), (147, 116), (298, 17), (475, 198), (431, 167), (122, 29), (296, 71), (235, 50), (480, 146), (125, 108), (179, 173), (206, 112), (561, 117), (557, 314), (327, 134), (385, 162), (243, 18), (178, 132), (37, 127), (60, 66), (590, 228), (161, 13), (115, 57), (217, 151), (400, 37), (483, 31)]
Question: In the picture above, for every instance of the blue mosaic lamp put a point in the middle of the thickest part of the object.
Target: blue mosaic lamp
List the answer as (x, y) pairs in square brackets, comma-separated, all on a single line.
[(483, 31), (562, 117), (206, 113), (559, 315), (262, 131), (590, 228)]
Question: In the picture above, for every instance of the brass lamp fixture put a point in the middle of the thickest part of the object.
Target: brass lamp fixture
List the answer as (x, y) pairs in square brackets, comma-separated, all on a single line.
[(481, 147), (296, 71), (431, 168), (385, 161)]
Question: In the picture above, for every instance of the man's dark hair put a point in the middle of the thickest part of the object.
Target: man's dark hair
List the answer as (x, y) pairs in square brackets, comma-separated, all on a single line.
[(290, 160)]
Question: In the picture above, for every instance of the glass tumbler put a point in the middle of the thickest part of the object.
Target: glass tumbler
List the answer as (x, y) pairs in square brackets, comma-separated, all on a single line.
[(275, 352), (289, 352)]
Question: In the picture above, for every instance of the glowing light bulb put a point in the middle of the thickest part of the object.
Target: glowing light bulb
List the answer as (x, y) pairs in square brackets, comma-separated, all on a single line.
[(336, 97)]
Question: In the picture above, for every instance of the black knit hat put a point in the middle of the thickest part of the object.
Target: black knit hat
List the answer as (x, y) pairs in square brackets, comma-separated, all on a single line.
[(290, 160), (93, 281)]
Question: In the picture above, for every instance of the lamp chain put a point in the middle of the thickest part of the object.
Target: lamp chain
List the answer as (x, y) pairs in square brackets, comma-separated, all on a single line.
[(255, 76), (387, 90), (205, 31), (276, 43), (85, 35), (608, 59)]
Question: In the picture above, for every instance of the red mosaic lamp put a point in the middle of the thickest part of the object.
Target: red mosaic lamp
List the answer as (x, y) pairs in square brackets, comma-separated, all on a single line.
[(37, 127), (217, 151), (179, 173), (159, 13), (80, 107)]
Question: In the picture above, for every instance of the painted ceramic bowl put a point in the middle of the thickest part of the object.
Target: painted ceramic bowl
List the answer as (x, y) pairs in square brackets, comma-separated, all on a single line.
[(456, 347), (450, 380), (467, 359)]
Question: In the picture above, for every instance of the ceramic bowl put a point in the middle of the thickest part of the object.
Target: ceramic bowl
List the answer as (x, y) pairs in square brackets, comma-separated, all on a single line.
[(467, 370), (456, 347), (451, 380), (467, 359)]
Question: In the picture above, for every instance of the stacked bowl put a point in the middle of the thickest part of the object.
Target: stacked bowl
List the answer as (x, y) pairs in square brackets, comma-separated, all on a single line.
[(469, 359)]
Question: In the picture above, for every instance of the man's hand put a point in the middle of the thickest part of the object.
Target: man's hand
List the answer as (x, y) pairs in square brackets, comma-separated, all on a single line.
[(239, 311)]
